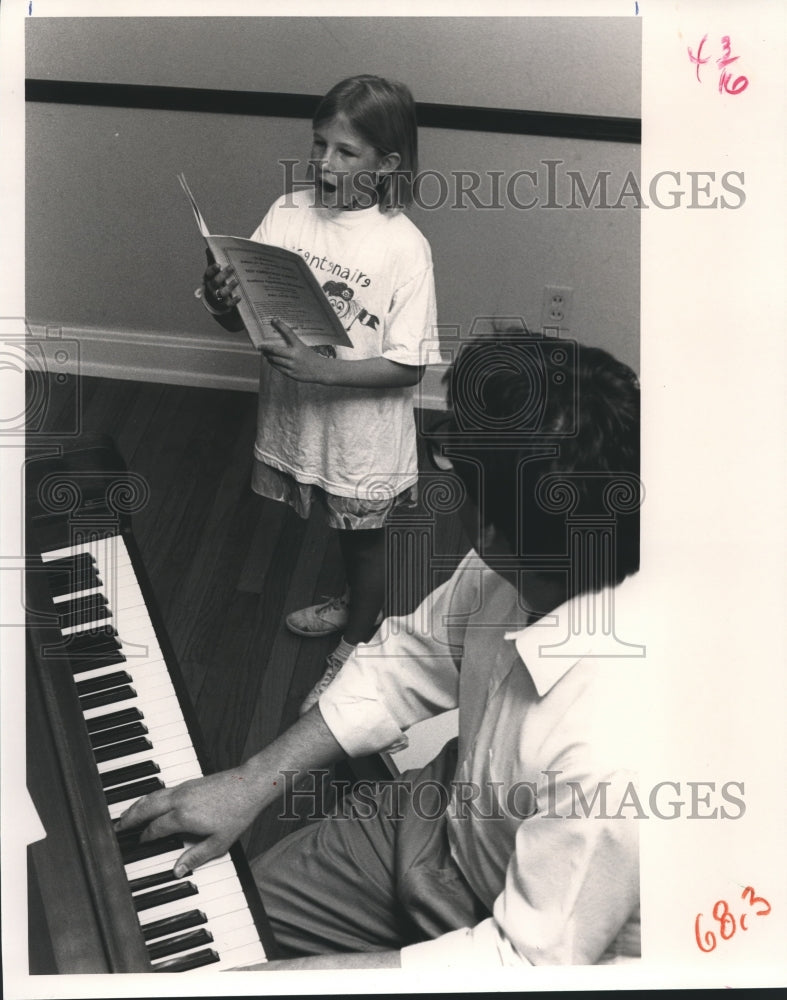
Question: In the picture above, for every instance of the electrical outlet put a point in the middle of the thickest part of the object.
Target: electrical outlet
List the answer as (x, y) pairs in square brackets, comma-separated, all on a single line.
[(556, 308)]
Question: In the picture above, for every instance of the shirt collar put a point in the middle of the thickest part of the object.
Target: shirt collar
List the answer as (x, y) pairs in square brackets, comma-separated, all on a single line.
[(543, 646)]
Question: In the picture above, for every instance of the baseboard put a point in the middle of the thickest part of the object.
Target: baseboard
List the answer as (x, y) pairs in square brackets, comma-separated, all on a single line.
[(216, 361)]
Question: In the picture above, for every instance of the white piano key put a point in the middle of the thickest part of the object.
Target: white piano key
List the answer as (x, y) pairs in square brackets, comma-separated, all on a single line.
[(67, 550), (166, 730), (220, 870), (162, 708), (230, 940), (230, 922), (148, 866), (176, 750), (144, 668), (212, 881), (237, 958), (217, 888), (132, 620), (210, 874), (163, 863), (208, 892), (176, 774), (76, 594), (116, 809), (162, 730), (151, 686), (217, 905), (85, 627), (242, 948), (181, 753)]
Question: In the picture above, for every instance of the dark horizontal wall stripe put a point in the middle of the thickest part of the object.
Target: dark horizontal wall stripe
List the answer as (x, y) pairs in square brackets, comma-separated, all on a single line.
[(245, 102)]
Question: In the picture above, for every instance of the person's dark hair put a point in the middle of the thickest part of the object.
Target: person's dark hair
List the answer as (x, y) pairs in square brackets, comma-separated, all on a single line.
[(552, 428), (382, 112)]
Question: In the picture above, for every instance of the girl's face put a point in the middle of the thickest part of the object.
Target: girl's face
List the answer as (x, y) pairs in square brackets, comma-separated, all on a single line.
[(346, 167)]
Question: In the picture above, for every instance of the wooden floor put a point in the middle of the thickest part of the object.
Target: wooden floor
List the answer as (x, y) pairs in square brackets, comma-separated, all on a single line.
[(226, 565)]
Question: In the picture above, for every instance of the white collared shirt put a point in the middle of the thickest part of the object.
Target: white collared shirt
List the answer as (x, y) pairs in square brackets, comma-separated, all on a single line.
[(548, 716)]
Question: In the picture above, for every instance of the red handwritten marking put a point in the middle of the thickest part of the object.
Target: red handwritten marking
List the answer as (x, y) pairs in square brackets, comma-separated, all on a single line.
[(727, 58), (749, 891), (723, 915), (697, 59), (727, 85)]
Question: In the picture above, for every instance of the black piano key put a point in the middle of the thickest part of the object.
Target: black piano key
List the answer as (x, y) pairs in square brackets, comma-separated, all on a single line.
[(91, 641), (68, 567), (171, 925), (85, 601), (133, 790), (179, 943), (96, 639), (128, 840), (107, 698), (112, 719), (124, 749), (118, 734), (70, 561), (77, 604), (167, 894), (151, 881), (193, 961), (82, 610), (149, 849), (123, 774), (99, 659), (103, 683), (63, 583)]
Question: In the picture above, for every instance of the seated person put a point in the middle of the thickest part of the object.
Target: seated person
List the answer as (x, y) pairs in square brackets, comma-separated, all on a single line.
[(514, 846)]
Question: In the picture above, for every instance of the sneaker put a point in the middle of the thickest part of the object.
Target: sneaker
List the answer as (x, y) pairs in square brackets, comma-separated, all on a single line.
[(334, 665), (322, 619)]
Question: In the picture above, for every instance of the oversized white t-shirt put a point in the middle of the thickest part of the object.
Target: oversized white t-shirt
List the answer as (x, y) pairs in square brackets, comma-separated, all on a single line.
[(376, 270)]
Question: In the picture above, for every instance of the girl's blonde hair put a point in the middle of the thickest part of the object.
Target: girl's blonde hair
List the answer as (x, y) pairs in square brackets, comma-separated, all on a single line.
[(382, 112)]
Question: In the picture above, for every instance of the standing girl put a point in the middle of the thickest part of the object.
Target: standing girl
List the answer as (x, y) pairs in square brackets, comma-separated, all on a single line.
[(340, 429)]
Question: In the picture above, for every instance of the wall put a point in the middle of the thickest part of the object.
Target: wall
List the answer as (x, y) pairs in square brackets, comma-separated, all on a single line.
[(112, 252)]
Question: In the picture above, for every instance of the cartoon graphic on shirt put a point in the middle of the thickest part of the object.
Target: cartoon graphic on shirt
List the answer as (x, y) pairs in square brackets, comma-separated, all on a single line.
[(342, 298)]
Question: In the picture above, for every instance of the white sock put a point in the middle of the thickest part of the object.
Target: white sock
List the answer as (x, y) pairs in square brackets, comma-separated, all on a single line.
[(343, 651)]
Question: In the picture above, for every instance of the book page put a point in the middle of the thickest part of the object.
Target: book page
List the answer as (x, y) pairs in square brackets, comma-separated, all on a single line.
[(276, 284), (197, 214)]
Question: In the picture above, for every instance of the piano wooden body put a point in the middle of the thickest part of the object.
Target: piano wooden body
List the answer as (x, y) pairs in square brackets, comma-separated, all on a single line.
[(108, 719)]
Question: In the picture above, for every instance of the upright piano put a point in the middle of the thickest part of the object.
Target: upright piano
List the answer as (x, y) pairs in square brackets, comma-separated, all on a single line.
[(109, 720)]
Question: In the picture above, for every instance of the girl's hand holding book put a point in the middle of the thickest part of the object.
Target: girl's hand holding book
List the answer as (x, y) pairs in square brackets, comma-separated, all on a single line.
[(220, 284), (294, 359)]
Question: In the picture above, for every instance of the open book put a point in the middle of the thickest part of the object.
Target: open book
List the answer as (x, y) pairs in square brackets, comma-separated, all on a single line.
[(273, 283)]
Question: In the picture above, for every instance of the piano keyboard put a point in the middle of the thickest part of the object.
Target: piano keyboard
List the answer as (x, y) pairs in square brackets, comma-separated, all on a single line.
[(140, 742)]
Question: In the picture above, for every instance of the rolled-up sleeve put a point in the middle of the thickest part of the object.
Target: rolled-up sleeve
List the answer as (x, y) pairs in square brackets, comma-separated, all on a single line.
[(408, 672)]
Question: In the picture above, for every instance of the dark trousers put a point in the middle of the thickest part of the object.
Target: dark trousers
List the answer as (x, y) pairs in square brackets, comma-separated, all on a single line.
[(377, 876)]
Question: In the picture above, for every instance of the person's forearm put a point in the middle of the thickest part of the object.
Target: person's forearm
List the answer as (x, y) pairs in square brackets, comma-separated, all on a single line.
[(308, 743), (371, 373)]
